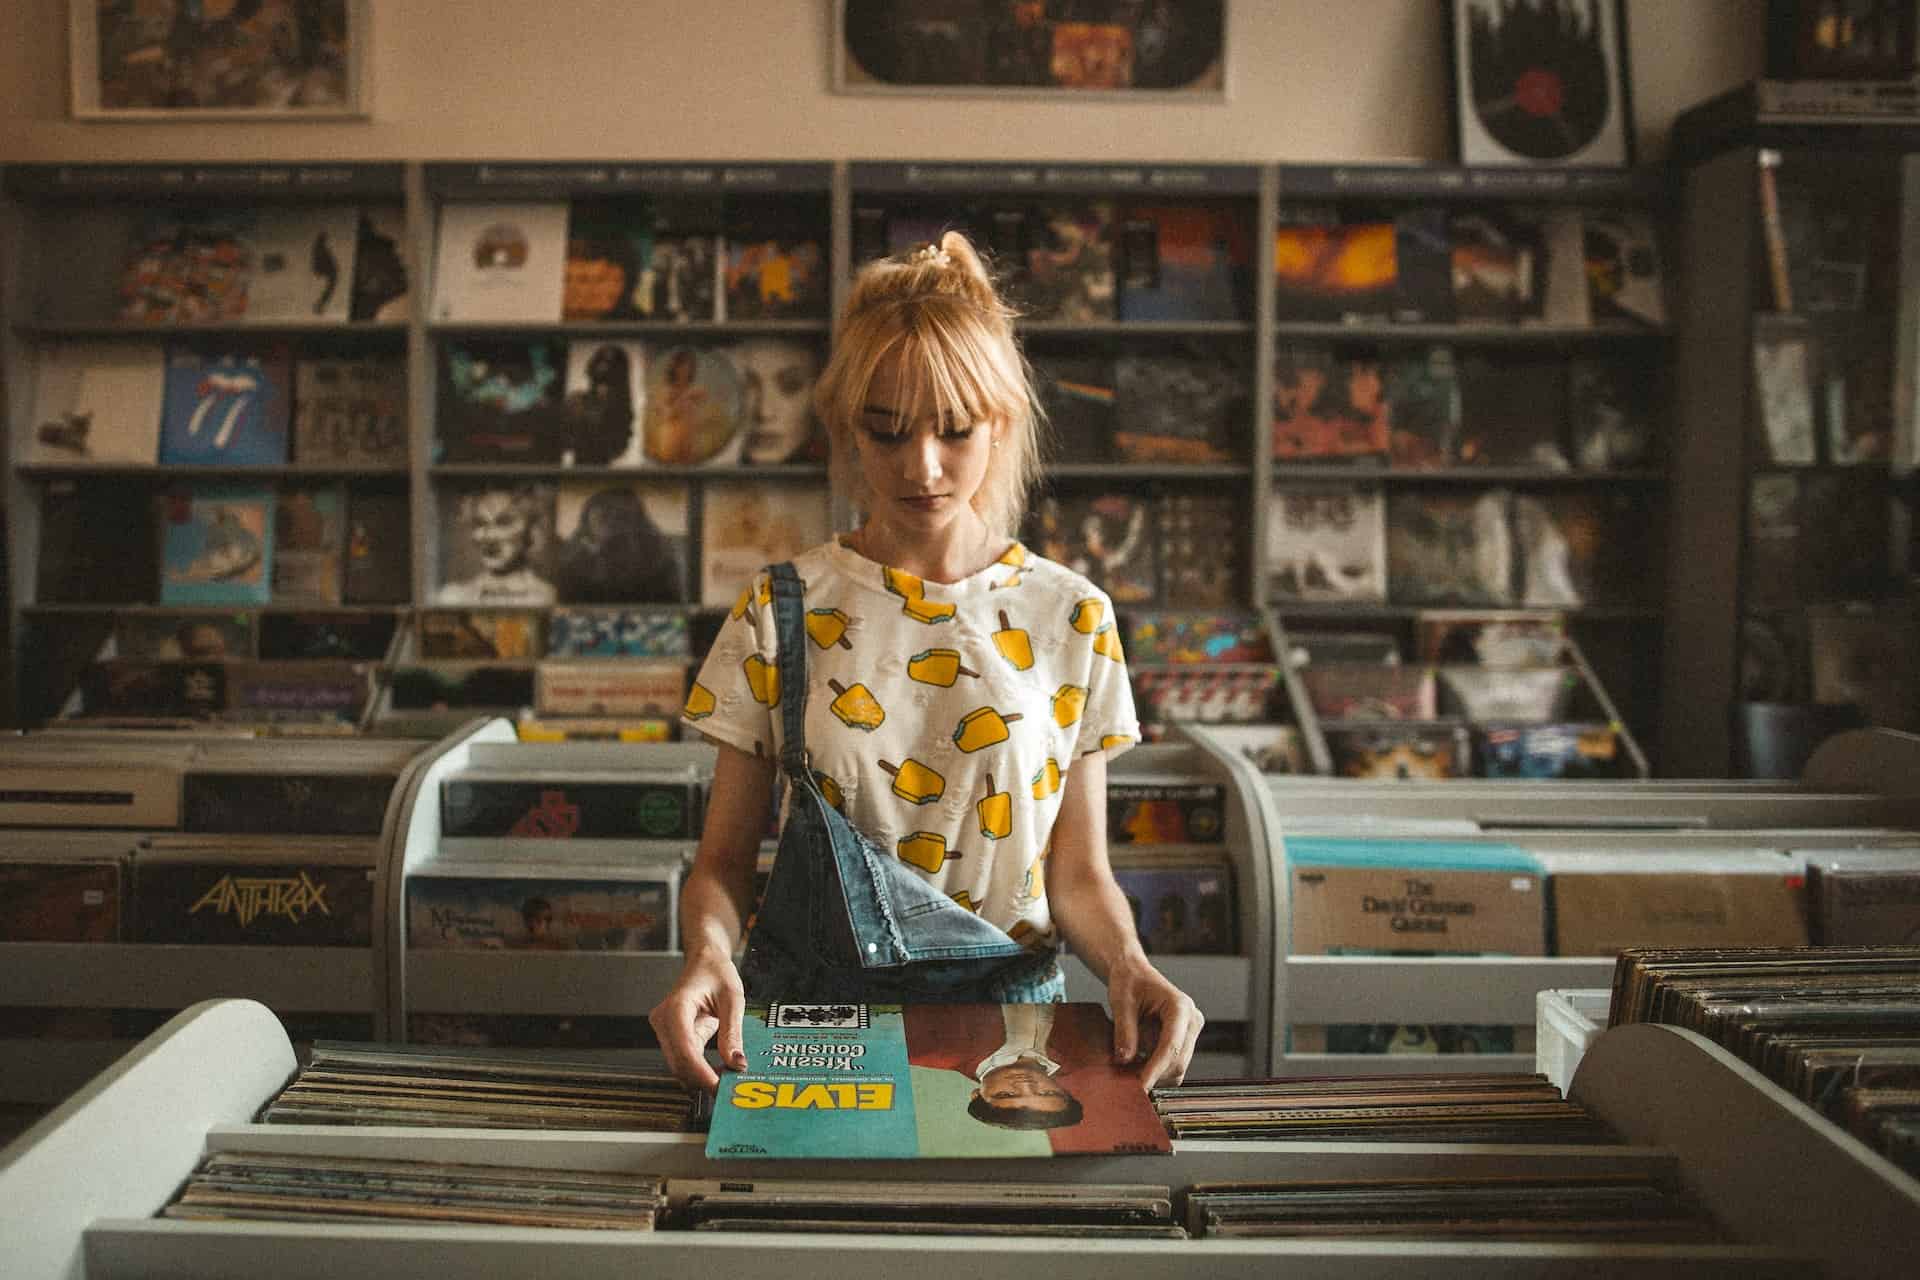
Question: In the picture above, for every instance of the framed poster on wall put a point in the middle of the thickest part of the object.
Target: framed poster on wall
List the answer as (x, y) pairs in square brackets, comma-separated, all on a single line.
[(1115, 49), (1541, 82), (192, 60)]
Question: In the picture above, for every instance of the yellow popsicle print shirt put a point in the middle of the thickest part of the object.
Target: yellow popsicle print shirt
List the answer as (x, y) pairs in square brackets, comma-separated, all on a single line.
[(945, 716)]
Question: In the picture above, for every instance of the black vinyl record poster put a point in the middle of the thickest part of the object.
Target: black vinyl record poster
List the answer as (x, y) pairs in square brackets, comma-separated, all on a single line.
[(1540, 82)]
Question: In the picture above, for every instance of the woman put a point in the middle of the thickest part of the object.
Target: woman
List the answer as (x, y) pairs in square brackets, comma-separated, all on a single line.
[(962, 694)]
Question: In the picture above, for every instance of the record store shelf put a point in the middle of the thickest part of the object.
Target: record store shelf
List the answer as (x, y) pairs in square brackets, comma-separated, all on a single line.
[(1228, 989), (92, 1173), (1641, 818)]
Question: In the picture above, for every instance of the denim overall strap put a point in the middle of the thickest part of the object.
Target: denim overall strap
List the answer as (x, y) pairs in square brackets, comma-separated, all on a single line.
[(790, 632)]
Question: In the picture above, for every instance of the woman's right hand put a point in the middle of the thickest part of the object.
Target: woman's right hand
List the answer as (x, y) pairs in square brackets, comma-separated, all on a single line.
[(707, 1003)]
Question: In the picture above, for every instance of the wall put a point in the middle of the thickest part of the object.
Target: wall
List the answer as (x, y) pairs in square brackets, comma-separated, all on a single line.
[(1309, 81)]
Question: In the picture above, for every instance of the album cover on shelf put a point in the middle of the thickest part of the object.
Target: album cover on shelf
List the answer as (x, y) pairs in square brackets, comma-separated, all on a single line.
[(906, 1075), (1078, 394), (776, 376), (609, 252), (313, 891), (1526, 694), (1610, 413), (501, 262), (747, 525), (1200, 538), (1335, 271), (660, 804), (655, 688), (1423, 395), (379, 556), (1581, 547), (1783, 371), (1625, 280), (1423, 254), (1327, 543), (68, 890), (350, 411), (501, 400), (691, 411), (604, 391), (1211, 693), (176, 637), (1370, 691), (1863, 655), (1498, 264), (777, 276), (496, 544), (447, 686), (97, 402), (226, 408), (301, 262), (1492, 640), (1846, 530), (616, 633), (304, 690), (1565, 290), (1328, 406), (217, 545), (1177, 408), (1187, 262), (1831, 232), (1511, 411), (621, 543), (1450, 549), (146, 689), (309, 543), (1070, 269), (310, 634), (1549, 751), (382, 273), (540, 907), (1156, 636), (1107, 537), (99, 542), (1185, 910), (1399, 751), (1857, 382), (682, 284), (478, 635), (1141, 813), (186, 267)]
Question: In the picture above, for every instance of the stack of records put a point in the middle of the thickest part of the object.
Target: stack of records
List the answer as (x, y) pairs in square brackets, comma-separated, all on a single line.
[(1558, 1209), (1839, 1027), (313, 1188), (356, 1084), (1502, 1107), (914, 1208)]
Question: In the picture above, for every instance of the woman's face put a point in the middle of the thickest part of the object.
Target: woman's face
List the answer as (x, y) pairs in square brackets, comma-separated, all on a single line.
[(776, 387), (501, 532), (923, 475)]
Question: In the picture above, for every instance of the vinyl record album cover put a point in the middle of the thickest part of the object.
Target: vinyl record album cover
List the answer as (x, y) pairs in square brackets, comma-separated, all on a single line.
[(748, 525), (226, 408), (926, 1081), (497, 545), (1107, 537), (621, 543), (1327, 405), (1445, 548), (1336, 271), (501, 400), (217, 545), (309, 543), (97, 402), (691, 412), (302, 264), (1176, 408), (605, 389), (1540, 82), (350, 411), (1327, 543), (501, 262), (1423, 395)]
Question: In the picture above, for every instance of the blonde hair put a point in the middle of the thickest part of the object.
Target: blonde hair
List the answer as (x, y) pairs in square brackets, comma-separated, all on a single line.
[(936, 310)]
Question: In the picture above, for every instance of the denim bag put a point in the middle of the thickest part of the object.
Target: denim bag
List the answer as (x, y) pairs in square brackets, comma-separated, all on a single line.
[(842, 918)]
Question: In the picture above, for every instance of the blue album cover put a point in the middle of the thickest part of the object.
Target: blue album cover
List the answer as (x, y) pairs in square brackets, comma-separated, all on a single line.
[(616, 633), (217, 545), (226, 409)]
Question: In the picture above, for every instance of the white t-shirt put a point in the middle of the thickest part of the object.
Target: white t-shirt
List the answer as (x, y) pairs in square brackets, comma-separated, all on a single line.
[(944, 716)]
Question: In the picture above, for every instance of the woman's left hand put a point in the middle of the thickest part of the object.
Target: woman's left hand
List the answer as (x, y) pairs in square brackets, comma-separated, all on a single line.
[(1139, 995)]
